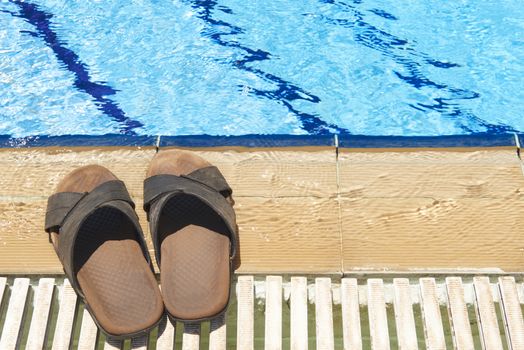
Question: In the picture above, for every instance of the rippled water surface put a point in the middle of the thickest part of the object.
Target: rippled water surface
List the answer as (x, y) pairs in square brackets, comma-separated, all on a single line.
[(232, 67)]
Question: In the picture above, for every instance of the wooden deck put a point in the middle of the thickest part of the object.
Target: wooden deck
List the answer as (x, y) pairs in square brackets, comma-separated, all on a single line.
[(310, 210), (469, 312)]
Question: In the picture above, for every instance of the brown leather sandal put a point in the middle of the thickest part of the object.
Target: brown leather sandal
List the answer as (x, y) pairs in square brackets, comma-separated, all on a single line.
[(194, 232), (95, 232)]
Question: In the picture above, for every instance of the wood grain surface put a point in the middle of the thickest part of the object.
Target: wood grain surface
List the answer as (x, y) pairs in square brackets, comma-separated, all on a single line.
[(418, 210), (305, 211)]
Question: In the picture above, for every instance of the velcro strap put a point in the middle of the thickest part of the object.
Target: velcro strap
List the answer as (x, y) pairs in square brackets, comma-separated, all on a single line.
[(60, 205)]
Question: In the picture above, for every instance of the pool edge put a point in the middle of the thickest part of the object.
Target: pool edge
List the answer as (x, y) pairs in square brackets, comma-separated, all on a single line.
[(265, 141)]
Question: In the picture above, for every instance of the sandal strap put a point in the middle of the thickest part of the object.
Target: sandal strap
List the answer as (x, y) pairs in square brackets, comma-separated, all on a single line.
[(159, 189), (212, 177), (60, 205), (208, 176)]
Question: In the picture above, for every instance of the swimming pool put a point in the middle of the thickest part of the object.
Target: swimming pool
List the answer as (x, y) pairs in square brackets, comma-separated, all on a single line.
[(230, 67)]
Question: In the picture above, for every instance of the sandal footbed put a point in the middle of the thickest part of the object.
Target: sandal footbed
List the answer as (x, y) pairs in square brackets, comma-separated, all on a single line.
[(117, 282), (195, 269)]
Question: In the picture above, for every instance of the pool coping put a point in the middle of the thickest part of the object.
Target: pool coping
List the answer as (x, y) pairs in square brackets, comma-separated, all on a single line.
[(263, 141)]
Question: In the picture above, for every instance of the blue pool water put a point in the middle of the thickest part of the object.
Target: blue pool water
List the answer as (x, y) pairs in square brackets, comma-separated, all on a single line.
[(232, 67)]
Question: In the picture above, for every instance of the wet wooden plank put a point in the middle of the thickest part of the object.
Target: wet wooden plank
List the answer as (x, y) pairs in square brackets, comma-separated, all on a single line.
[(88, 333), (458, 314), (166, 335), (25, 248), (276, 235), (446, 221), (378, 322), (15, 314), (512, 313), (486, 314), (66, 316), (42, 306), (433, 331), (411, 174), (299, 314), (288, 235), (140, 343), (245, 313), (324, 314), (191, 336), (351, 330), (277, 173), (404, 319), (37, 171), (273, 321), (217, 335), (253, 173), (273, 174), (432, 233)]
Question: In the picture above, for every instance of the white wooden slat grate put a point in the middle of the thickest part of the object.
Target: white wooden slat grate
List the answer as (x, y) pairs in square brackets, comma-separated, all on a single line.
[(344, 313), (15, 313), (351, 328), (404, 318), (378, 322), (324, 314), (511, 309), (458, 314), (273, 324), (299, 315), (88, 332), (486, 315), (430, 306), (42, 308)]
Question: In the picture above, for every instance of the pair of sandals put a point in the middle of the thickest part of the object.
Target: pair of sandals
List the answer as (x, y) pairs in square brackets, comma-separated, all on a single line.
[(95, 231)]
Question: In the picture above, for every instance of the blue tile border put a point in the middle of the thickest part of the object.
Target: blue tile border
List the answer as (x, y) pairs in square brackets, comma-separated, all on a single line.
[(521, 139), (7, 141), (248, 141), (476, 140), (344, 141)]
